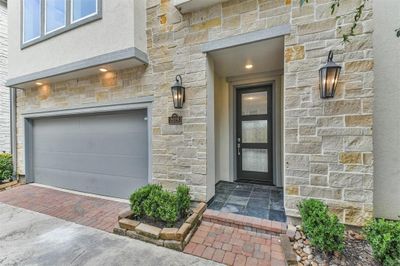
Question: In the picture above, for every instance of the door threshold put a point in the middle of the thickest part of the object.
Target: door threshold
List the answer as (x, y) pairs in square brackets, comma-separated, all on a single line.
[(255, 182), (81, 193)]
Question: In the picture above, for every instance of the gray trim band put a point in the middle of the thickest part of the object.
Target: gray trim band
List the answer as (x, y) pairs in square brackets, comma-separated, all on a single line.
[(137, 103), (246, 38), (125, 54)]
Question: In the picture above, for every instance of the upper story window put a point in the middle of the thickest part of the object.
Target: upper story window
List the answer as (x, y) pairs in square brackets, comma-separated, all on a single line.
[(82, 9), (55, 14), (31, 17), (43, 19)]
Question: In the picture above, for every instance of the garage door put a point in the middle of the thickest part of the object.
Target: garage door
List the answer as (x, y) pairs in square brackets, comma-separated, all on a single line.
[(105, 154)]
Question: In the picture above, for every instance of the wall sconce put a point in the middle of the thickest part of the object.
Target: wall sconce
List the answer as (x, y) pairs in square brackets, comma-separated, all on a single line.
[(178, 93), (328, 77)]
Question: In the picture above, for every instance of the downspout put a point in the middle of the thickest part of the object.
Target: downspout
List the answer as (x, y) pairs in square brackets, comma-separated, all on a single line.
[(13, 130)]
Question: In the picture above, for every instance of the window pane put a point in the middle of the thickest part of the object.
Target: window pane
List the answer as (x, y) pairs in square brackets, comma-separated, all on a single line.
[(255, 160), (254, 103), (31, 18), (55, 14), (83, 8), (255, 131)]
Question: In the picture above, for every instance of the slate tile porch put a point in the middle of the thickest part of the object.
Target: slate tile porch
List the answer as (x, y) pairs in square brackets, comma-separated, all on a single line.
[(254, 200)]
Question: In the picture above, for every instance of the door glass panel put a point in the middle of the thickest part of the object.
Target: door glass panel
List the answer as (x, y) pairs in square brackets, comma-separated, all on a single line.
[(255, 131), (255, 160), (254, 103)]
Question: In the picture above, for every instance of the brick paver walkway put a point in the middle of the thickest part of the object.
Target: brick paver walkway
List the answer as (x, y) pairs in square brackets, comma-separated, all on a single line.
[(90, 211), (233, 246)]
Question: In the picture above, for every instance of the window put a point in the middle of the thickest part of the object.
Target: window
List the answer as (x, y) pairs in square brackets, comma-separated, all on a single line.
[(55, 14), (31, 20), (83, 8), (43, 19)]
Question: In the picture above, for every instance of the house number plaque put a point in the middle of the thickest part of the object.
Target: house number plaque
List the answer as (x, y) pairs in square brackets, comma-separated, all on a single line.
[(175, 119)]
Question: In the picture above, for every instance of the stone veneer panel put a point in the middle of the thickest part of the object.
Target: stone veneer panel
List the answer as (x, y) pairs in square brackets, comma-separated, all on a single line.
[(328, 143), (4, 91)]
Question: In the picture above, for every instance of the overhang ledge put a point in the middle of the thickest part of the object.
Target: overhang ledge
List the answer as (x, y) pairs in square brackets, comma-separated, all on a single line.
[(126, 58)]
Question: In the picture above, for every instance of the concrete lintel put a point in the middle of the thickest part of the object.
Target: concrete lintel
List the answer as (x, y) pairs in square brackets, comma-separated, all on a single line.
[(121, 55), (246, 38)]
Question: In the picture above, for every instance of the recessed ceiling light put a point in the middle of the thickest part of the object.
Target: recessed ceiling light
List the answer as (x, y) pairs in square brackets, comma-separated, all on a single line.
[(103, 69), (249, 66), (39, 83)]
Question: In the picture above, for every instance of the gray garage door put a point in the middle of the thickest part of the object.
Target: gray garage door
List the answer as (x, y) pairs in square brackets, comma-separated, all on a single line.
[(105, 154)]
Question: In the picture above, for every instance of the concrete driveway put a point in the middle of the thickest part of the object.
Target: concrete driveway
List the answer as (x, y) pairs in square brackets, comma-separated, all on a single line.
[(31, 238)]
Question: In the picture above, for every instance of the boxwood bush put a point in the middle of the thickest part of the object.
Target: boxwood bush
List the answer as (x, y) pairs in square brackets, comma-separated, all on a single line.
[(161, 205), (384, 238), (321, 227), (6, 166)]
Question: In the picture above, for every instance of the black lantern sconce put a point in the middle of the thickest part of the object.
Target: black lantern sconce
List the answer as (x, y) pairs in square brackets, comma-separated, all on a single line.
[(178, 93), (328, 78)]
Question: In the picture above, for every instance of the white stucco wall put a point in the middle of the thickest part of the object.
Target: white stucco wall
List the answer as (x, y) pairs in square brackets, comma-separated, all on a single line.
[(387, 109), (4, 91), (222, 139), (122, 26)]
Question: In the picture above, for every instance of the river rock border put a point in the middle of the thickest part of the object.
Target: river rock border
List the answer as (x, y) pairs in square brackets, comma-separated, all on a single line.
[(173, 238)]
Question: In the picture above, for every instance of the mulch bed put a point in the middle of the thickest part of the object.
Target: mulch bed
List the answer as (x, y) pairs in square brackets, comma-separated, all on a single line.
[(357, 251)]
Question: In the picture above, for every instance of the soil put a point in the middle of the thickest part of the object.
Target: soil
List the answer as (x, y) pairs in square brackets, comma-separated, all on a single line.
[(159, 224)]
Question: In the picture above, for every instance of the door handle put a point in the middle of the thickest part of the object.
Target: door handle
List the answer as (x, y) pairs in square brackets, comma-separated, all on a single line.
[(238, 149)]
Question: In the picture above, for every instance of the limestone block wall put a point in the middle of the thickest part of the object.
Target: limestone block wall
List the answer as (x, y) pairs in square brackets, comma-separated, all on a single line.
[(328, 143), (4, 91)]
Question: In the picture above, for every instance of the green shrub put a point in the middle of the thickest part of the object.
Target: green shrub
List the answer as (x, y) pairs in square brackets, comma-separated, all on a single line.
[(183, 200), (384, 238), (6, 166), (138, 198), (161, 205), (323, 229)]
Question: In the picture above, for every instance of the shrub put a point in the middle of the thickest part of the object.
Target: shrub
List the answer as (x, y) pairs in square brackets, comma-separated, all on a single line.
[(384, 238), (183, 200), (6, 166), (161, 205), (323, 229), (138, 198)]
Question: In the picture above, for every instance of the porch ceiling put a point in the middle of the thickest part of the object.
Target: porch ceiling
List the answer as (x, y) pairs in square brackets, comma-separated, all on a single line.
[(264, 56)]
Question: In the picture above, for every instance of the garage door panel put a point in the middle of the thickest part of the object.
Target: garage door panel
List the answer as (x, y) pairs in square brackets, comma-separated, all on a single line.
[(110, 143), (101, 163), (105, 154), (91, 183)]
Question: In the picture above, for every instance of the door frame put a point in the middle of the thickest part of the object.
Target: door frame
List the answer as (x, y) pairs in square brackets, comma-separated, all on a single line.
[(274, 78), (28, 118), (269, 145)]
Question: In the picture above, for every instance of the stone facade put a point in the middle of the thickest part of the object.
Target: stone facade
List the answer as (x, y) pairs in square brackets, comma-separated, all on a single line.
[(4, 91), (328, 143)]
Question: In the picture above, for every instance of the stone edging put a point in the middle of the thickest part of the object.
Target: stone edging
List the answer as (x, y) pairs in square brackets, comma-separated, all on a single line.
[(8, 185), (173, 238), (288, 253)]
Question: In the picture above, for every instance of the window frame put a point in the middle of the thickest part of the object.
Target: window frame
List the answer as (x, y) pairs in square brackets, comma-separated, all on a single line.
[(45, 18), (69, 25), (82, 18), (23, 23)]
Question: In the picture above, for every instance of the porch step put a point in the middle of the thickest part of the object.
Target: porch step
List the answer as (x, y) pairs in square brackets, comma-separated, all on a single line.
[(245, 222)]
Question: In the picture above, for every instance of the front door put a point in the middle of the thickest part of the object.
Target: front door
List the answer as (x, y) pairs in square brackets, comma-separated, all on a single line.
[(254, 134)]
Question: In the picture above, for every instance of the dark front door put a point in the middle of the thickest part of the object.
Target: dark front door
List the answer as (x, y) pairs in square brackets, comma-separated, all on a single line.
[(254, 134)]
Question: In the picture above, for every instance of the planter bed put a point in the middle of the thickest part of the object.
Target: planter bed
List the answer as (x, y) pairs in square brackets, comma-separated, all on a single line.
[(6, 184), (298, 251), (146, 230)]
